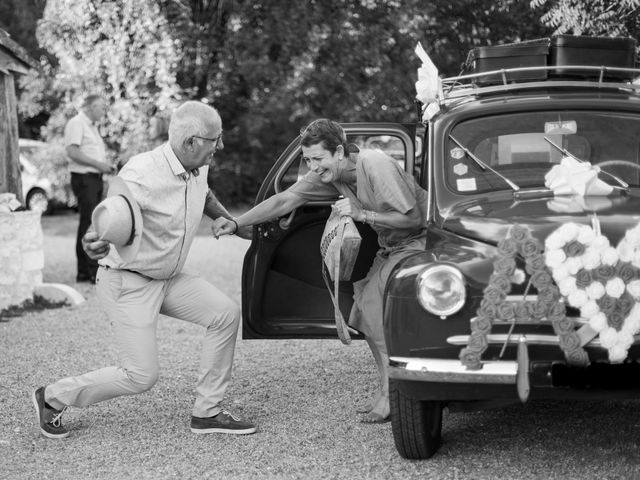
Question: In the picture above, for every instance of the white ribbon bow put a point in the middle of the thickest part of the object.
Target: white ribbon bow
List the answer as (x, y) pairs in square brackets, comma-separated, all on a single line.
[(572, 177), (429, 85)]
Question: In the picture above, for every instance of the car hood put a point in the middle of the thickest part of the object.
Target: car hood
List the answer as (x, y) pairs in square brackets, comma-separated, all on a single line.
[(489, 221)]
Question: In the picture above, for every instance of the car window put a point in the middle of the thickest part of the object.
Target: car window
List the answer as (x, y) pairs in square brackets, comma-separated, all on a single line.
[(524, 147), (390, 144)]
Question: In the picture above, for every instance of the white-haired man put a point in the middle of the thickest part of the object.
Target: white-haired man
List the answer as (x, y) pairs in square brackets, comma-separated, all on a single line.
[(169, 184)]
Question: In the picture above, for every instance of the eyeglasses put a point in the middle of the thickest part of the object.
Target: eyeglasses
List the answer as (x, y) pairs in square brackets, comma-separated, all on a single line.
[(217, 140)]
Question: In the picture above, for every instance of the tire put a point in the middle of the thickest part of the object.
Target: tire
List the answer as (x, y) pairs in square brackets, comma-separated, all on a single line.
[(37, 201), (416, 424)]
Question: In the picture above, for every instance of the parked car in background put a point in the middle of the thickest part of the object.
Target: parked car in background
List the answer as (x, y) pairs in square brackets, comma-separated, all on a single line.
[(45, 180), (529, 285)]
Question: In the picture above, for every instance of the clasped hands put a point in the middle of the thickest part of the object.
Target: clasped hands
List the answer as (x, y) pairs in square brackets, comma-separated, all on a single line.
[(224, 226)]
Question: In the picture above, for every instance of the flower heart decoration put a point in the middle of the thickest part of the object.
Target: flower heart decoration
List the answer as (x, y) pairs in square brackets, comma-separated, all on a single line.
[(601, 280), (495, 306)]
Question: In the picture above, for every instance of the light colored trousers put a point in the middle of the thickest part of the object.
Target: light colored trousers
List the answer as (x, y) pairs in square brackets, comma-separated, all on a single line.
[(132, 303)]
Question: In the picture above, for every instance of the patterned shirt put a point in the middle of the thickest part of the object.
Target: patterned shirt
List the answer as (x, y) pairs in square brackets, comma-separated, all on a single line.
[(82, 132), (172, 202)]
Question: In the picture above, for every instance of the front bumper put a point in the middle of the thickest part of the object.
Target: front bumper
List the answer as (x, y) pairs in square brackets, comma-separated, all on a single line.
[(453, 371)]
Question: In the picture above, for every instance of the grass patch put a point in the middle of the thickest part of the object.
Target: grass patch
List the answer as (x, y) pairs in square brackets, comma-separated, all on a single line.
[(36, 304)]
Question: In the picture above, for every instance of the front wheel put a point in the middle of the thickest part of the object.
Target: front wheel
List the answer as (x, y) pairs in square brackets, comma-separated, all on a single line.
[(416, 424)]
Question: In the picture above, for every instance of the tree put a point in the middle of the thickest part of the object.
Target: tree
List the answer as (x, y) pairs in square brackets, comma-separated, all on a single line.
[(612, 18), (268, 66), (116, 47)]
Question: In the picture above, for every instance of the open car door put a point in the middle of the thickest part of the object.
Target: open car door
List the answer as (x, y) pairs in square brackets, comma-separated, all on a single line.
[(283, 291)]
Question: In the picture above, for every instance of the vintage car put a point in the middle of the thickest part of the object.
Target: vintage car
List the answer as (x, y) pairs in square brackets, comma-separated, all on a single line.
[(528, 285)]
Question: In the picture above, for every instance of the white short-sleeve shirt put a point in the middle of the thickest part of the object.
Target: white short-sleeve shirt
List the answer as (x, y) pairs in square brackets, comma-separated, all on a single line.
[(80, 131)]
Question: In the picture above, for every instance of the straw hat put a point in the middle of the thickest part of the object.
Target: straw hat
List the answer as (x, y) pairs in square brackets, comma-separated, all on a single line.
[(118, 220)]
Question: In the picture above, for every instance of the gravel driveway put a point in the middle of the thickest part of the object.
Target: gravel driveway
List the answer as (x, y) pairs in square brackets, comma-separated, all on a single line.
[(301, 394)]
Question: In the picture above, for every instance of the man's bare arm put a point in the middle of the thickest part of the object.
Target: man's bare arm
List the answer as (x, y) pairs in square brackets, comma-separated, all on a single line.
[(214, 210)]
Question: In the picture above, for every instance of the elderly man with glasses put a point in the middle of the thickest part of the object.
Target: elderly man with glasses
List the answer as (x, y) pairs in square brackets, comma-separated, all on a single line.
[(169, 184)]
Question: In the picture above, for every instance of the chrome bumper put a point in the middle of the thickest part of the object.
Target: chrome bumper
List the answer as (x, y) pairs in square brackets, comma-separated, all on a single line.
[(439, 370), (507, 372)]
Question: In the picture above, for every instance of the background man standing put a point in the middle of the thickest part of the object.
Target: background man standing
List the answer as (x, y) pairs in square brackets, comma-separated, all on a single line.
[(87, 163)]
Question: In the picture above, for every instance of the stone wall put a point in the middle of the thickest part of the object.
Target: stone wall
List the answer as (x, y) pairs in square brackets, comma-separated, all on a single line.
[(21, 257)]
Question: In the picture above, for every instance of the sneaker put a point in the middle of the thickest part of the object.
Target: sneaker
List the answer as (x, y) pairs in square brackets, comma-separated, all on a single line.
[(224, 422), (48, 418)]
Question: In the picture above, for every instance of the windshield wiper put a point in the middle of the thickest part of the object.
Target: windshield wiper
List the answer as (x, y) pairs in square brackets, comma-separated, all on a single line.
[(483, 165), (567, 153)]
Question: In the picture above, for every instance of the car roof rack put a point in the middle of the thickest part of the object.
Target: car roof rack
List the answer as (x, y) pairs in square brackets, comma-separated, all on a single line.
[(540, 77)]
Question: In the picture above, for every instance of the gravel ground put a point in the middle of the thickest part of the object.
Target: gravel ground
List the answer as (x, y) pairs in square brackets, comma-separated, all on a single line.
[(301, 394)]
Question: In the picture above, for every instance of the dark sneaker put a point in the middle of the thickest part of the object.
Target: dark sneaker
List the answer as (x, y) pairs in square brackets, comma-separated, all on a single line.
[(48, 418), (224, 422)]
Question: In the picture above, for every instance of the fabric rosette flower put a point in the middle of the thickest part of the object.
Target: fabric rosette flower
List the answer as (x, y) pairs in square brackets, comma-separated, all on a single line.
[(596, 290), (563, 235), (569, 341), (522, 313), (607, 304), (563, 324), (626, 272), (541, 279), (583, 279), (478, 342), (507, 247), (589, 309), (534, 263), (633, 288), (577, 357), (608, 337), (518, 277), (538, 309), (598, 321), (506, 311), (574, 248), (548, 295), (519, 233), (615, 287), (530, 247), (494, 294), (578, 298), (557, 311), (567, 286), (624, 304), (505, 266), (604, 273), (609, 256), (501, 282), (591, 259), (470, 358), (555, 258), (481, 324), (616, 320), (632, 324), (487, 309)]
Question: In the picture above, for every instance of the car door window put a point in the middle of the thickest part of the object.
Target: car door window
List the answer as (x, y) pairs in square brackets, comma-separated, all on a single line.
[(392, 145)]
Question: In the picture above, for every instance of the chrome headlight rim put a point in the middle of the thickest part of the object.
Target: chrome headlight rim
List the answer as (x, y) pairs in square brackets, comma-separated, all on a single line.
[(457, 274)]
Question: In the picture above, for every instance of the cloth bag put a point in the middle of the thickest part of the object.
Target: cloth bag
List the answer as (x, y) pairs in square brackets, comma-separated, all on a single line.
[(339, 250)]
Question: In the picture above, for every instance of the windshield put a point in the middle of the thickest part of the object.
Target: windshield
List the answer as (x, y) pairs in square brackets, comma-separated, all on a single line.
[(514, 145)]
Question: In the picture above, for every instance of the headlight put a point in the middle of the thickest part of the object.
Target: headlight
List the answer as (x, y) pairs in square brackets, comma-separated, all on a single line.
[(441, 290)]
